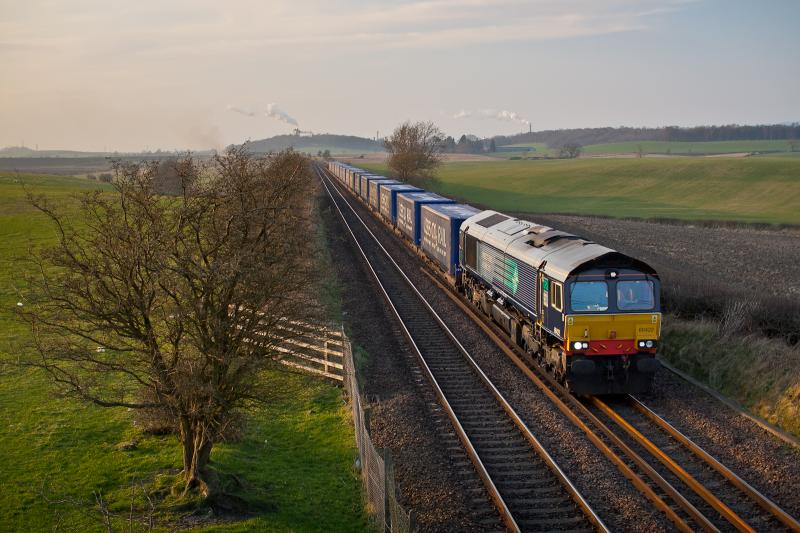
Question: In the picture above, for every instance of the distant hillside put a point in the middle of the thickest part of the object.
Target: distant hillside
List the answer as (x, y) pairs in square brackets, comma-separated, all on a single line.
[(337, 144), (589, 136), (23, 151)]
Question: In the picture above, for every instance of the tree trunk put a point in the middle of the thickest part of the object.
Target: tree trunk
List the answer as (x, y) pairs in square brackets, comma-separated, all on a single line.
[(196, 453)]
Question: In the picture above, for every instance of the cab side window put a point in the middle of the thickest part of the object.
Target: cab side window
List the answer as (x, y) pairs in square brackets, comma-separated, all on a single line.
[(558, 302)]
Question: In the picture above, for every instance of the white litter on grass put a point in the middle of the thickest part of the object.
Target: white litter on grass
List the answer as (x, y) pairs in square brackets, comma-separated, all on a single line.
[(20, 304), (100, 349)]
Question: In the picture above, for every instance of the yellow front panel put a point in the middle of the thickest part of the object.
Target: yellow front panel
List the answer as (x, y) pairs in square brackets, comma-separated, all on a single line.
[(623, 327)]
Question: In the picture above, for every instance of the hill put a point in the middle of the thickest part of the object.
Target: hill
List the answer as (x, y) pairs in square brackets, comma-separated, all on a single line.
[(25, 152), (753, 189), (337, 144)]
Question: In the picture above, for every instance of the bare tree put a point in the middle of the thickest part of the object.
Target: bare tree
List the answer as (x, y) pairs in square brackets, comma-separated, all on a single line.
[(570, 151), (415, 151), (175, 304)]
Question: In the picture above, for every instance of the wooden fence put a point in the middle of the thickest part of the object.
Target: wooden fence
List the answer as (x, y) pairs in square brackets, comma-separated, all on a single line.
[(313, 348)]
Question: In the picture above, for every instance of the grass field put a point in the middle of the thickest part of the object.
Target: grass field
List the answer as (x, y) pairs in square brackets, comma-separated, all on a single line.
[(296, 456), (764, 189), (535, 150), (688, 148)]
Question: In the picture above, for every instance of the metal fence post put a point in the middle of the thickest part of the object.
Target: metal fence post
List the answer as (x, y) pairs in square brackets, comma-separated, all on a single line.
[(377, 467)]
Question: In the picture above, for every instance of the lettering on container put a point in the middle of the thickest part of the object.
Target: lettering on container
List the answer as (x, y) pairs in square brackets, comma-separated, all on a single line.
[(385, 199), (435, 236), (405, 216)]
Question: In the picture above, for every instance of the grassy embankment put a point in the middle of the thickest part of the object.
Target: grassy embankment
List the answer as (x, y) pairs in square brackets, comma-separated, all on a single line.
[(764, 190), (295, 458), (762, 375)]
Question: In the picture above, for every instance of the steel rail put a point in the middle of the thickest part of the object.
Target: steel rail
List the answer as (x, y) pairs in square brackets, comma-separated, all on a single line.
[(626, 470), (536, 445), (737, 521), (494, 493), (751, 492), (672, 465)]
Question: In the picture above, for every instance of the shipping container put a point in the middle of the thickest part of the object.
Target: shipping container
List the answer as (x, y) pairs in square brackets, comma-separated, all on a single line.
[(440, 224), (388, 199), (360, 181), (355, 185), (364, 190), (409, 205), (374, 199)]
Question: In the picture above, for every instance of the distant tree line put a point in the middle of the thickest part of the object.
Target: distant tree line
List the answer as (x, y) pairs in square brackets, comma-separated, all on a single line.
[(587, 136), (300, 143)]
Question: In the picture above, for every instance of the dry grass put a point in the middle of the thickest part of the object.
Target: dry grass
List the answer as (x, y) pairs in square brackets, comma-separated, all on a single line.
[(760, 373)]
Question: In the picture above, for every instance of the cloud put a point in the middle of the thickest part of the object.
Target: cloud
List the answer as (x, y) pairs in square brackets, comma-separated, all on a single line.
[(272, 111), (275, 112), (158, 28), (493, 114)]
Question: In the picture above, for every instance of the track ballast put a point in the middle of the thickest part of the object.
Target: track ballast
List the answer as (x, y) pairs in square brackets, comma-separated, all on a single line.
[(524, 483)]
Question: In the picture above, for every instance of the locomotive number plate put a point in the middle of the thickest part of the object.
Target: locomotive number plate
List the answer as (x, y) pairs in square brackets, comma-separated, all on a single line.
[(646, 331)]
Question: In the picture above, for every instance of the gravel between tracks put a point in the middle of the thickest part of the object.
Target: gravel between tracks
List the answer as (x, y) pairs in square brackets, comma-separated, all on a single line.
[(400, 420), (738, 256), (608, 492), (758, 457)]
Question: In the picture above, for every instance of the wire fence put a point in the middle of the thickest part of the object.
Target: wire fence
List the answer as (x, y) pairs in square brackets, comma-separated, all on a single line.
[(377, 468)]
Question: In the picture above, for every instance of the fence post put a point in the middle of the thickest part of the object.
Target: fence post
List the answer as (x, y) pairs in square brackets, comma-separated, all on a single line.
[(326, 355), (388, 485)]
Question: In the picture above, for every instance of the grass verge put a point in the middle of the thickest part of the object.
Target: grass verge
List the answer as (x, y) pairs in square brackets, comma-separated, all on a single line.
[(762, 375), (295, 458)]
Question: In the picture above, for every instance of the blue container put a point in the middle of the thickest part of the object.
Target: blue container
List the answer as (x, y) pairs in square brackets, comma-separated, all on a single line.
[(363, 191), (351, 176), (360, 179), (409, 206), (374, 199), (440, 224), (388, 199)]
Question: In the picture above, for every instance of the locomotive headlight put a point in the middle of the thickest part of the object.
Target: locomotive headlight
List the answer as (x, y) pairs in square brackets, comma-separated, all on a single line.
[(641, 344), (578, 345), (585, 345), (649, 344)]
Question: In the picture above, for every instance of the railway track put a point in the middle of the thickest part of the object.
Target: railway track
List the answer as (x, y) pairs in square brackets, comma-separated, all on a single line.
[(714, 488), (529, 490), (693, 489)]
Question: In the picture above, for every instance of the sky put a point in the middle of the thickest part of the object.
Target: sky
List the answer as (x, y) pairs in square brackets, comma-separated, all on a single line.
[(196, 74)]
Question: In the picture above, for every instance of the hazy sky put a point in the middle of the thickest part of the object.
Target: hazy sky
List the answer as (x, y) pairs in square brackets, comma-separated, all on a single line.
[(125, 75)]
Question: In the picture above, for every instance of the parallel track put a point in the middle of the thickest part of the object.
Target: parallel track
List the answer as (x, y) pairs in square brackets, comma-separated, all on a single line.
[(732, 499), (659, 477), (523, 481)]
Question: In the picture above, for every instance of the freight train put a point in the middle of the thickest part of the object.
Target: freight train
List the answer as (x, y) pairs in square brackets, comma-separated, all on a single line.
[(588, 314)]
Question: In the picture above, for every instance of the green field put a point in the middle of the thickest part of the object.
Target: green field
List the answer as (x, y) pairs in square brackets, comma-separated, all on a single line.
[(535, 150), (764, 189), (296, 456), (689, 148)]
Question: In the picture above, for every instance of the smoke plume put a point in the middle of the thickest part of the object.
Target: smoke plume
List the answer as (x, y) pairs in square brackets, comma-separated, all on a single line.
[(484, 114), (272, 111)]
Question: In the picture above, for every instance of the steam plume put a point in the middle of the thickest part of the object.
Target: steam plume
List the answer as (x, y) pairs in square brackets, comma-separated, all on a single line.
[(273, 111), (508, 116)]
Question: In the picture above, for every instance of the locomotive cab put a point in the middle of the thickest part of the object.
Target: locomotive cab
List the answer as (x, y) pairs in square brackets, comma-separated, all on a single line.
[(612, 326)]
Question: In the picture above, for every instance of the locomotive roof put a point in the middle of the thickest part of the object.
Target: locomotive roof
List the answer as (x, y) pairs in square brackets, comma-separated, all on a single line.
[(537, 244)]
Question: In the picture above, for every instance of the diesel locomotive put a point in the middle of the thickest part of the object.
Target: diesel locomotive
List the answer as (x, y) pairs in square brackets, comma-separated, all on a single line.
[(590, 315)]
